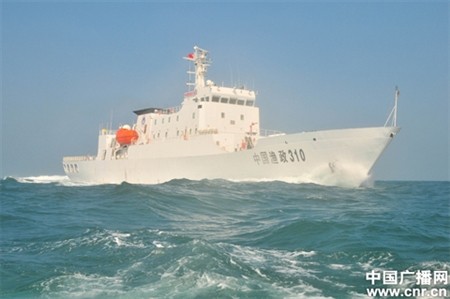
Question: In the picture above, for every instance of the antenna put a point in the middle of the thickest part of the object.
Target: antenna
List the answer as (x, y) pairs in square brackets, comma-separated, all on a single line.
[(111, 120), (201, 61)]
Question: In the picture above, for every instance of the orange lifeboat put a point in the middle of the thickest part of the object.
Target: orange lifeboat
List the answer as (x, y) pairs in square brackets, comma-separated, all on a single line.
[(125, 136)]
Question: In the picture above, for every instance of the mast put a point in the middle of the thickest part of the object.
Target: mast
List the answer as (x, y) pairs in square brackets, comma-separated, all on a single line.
[(201, 62), (397, 94), (393, 115)]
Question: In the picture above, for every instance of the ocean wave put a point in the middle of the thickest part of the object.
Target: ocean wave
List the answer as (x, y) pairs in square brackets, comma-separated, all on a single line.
[(98, 239), (61, 180), (346, 178), (375, 260), (206, 239), (193, 269), (197, 268), (326, 180), (83, 285), (41, 179), (435, 265)]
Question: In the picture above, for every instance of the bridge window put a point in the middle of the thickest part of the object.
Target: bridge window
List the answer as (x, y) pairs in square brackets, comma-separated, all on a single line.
[(215, 99), (233, 101), (224, 100), (250, 103), (241, 102)]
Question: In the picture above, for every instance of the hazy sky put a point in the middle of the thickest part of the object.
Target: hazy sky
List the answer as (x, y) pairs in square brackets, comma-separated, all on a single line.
[(68, 67)]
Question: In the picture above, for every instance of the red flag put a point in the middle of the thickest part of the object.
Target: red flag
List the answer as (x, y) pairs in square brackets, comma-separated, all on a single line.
[(190, 56)]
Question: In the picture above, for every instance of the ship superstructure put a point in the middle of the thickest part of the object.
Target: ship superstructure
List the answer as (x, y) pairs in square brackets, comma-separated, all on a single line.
[(215, 133)]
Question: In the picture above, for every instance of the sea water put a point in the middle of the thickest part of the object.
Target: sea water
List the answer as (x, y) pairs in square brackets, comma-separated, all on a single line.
[(221, 239)]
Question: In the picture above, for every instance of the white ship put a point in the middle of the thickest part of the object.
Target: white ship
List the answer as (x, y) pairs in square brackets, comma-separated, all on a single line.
[(215, 134)]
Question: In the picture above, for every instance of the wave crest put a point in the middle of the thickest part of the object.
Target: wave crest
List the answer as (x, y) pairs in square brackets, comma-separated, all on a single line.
[(41, 179)]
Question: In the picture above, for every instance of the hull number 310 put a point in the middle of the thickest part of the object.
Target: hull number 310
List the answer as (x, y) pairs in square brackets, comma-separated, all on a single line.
[(280, 156)]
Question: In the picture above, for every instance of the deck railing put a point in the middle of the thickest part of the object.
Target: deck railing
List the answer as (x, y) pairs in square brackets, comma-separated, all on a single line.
[(269, 133), (78, 158)]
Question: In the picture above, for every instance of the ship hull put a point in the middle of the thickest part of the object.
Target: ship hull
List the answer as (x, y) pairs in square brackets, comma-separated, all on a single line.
[(335, 157)]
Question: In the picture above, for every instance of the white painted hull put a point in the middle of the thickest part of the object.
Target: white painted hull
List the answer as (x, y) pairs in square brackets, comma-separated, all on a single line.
[(334, 157)]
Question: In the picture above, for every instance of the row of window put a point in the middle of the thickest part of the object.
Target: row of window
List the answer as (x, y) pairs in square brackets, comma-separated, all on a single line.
[(71, 168), (225, 100), (179, 133), (183, 133), (155, 122), (222, 115)]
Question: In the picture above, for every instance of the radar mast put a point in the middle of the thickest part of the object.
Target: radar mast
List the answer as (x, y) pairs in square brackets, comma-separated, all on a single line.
[(201, 62)]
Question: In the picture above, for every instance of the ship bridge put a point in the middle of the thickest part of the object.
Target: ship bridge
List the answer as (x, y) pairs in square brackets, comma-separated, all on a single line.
[(228, 113)]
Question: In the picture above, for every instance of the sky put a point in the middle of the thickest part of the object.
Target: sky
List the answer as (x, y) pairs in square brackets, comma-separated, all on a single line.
[(69, 68)]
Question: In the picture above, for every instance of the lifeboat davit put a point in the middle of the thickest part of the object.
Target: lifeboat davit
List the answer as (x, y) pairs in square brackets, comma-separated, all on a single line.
[(125, 135)]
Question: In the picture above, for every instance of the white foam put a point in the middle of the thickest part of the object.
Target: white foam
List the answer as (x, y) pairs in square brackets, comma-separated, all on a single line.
[(342, 175), (162, 244), (435, 265), (257, 270), (355, 295), (43, 179), (120, 239), (292, 264), (62, 180), (181, 277), (339, 267), (158, 244), (79, 285), (381, 260), (107, 239)]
